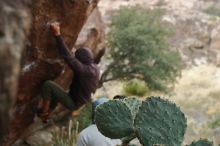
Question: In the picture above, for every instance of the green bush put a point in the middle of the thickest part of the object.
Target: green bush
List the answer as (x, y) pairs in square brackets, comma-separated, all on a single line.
[(214, 123), (213, 10), (139, 49), (136, 87)]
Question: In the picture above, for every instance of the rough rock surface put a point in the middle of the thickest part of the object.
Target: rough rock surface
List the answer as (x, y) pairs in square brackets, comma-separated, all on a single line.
[(40, 138), (40, 60), (14, 26)]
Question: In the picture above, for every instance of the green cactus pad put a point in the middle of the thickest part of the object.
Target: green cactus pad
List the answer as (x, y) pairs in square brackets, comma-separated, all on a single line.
[(160, 122), (134, 104), (201, 142), (114, 119)]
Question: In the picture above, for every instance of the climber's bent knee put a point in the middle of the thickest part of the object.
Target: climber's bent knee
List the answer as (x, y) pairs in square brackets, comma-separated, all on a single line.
[(46, 90)]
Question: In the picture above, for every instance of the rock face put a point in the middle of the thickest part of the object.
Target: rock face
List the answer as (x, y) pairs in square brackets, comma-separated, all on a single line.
[(14, 26), (40, 138), (40, 61)]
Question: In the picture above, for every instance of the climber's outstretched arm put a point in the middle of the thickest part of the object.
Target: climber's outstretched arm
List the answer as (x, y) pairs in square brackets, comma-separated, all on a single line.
[(70, 59)]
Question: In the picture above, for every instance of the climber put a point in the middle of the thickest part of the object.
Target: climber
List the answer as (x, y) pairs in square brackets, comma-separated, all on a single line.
[(84, 82)]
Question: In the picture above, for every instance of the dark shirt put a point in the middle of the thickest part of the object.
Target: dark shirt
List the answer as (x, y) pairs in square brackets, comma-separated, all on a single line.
[(86, 73)]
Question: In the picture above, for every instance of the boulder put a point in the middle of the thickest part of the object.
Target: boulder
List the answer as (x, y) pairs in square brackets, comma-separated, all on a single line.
[(14, 26), (40, 61)]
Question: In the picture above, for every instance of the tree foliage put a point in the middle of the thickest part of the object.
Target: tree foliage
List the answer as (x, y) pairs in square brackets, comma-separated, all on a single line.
[(139, 49)]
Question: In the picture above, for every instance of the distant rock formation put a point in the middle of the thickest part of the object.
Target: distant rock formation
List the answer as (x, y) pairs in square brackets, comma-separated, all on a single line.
[(195, 31)]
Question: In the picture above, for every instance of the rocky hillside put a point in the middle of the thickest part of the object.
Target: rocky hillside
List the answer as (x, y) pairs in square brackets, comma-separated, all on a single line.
[(196, 25)]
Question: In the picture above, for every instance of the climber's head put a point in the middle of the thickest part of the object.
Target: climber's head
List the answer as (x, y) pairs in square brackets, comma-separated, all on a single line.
[(95, 104), (84, 55)]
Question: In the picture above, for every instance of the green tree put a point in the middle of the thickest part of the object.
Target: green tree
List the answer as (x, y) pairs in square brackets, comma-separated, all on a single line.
[(139, 49)]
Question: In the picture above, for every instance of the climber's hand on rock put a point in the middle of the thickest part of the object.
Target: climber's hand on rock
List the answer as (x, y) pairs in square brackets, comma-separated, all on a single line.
[(55, 28)]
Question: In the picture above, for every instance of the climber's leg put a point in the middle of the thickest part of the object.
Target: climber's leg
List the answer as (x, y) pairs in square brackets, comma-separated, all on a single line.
[(56, 94), (52, 94)]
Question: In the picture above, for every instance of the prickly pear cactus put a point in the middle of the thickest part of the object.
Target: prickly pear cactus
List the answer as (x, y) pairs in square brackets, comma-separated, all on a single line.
[(201, 142), (134, 104), (114, 119), (159, 121), (154, 122)]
